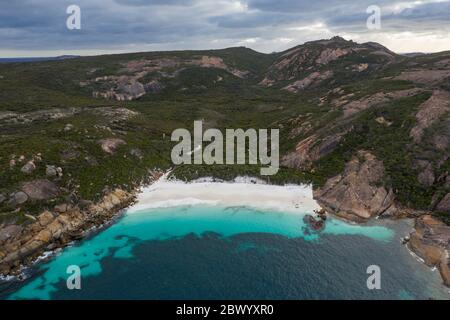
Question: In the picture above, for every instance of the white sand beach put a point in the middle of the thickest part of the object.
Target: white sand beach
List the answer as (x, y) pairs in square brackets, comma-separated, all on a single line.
[(244, 191)]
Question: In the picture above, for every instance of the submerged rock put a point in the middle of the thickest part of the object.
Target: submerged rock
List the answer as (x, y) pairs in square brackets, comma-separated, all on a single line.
[(315, 224)]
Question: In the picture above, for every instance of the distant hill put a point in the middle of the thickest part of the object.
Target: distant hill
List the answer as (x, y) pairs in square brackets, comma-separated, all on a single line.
[(37, 59), (413, 54)]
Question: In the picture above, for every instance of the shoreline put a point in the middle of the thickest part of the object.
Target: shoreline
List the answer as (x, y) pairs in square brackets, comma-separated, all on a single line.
[(52, 232), (242, 191)]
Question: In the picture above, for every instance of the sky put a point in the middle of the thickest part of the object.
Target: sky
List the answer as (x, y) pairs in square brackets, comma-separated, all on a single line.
[(31, 28)]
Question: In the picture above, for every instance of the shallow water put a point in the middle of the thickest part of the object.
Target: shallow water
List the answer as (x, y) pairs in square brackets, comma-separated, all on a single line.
[(210, 252)]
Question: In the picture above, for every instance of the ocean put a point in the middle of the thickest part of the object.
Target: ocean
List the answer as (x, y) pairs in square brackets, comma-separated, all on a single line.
[(219, 252)]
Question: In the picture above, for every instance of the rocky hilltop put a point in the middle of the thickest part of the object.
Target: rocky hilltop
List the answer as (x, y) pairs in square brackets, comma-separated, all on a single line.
[(369, 128)]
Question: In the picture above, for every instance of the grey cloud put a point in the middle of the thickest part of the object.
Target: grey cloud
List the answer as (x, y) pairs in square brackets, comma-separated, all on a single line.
[(155, 2), (106, 24)]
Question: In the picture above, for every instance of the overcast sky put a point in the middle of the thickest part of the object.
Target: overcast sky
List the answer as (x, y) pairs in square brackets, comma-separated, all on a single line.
[(38, 27)]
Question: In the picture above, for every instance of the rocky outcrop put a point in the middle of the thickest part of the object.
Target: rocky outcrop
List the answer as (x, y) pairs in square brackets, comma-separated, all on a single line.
[(28, 168), (110, 145), (137, 153), (132, 81), (42, 115), (313, 79), (10, 231), (312, 56), (53, 171), (329, 54), (431, 241), (41, 189), (357, 106), (218, 63), (430, 111), (424, 76), (312, 149), (113, 113), (129, 89), (21, 245), (17, 198), (357, 194), (444, 204), (315, 223), (360, 67)]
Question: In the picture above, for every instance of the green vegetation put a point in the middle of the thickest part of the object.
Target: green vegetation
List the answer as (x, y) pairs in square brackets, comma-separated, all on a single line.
[(390, 143), (215, 96), (229, 173)]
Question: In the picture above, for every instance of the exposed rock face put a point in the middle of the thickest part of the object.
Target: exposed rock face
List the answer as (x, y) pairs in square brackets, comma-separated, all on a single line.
[(216, 62), (41, 189), (311, 149), (153, 86), (126, 89), (28, 168), (133, 84), (431, 241), (10, 231), (18, 198), (42, 115), (51, 171), (131, 88), (110, 145), (313, 79), (61, 208), (431, 110), (21, 245), (357, 106), (357, 194), (310, 57), (444, 204), (424, 76), (115, 114), (318, 145), (329, 54)]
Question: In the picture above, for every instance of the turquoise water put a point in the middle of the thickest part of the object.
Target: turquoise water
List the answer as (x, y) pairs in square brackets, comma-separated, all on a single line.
[(189, 252)]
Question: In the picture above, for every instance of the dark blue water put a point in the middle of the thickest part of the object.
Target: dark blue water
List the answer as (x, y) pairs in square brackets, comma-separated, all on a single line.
[(233, 253)]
